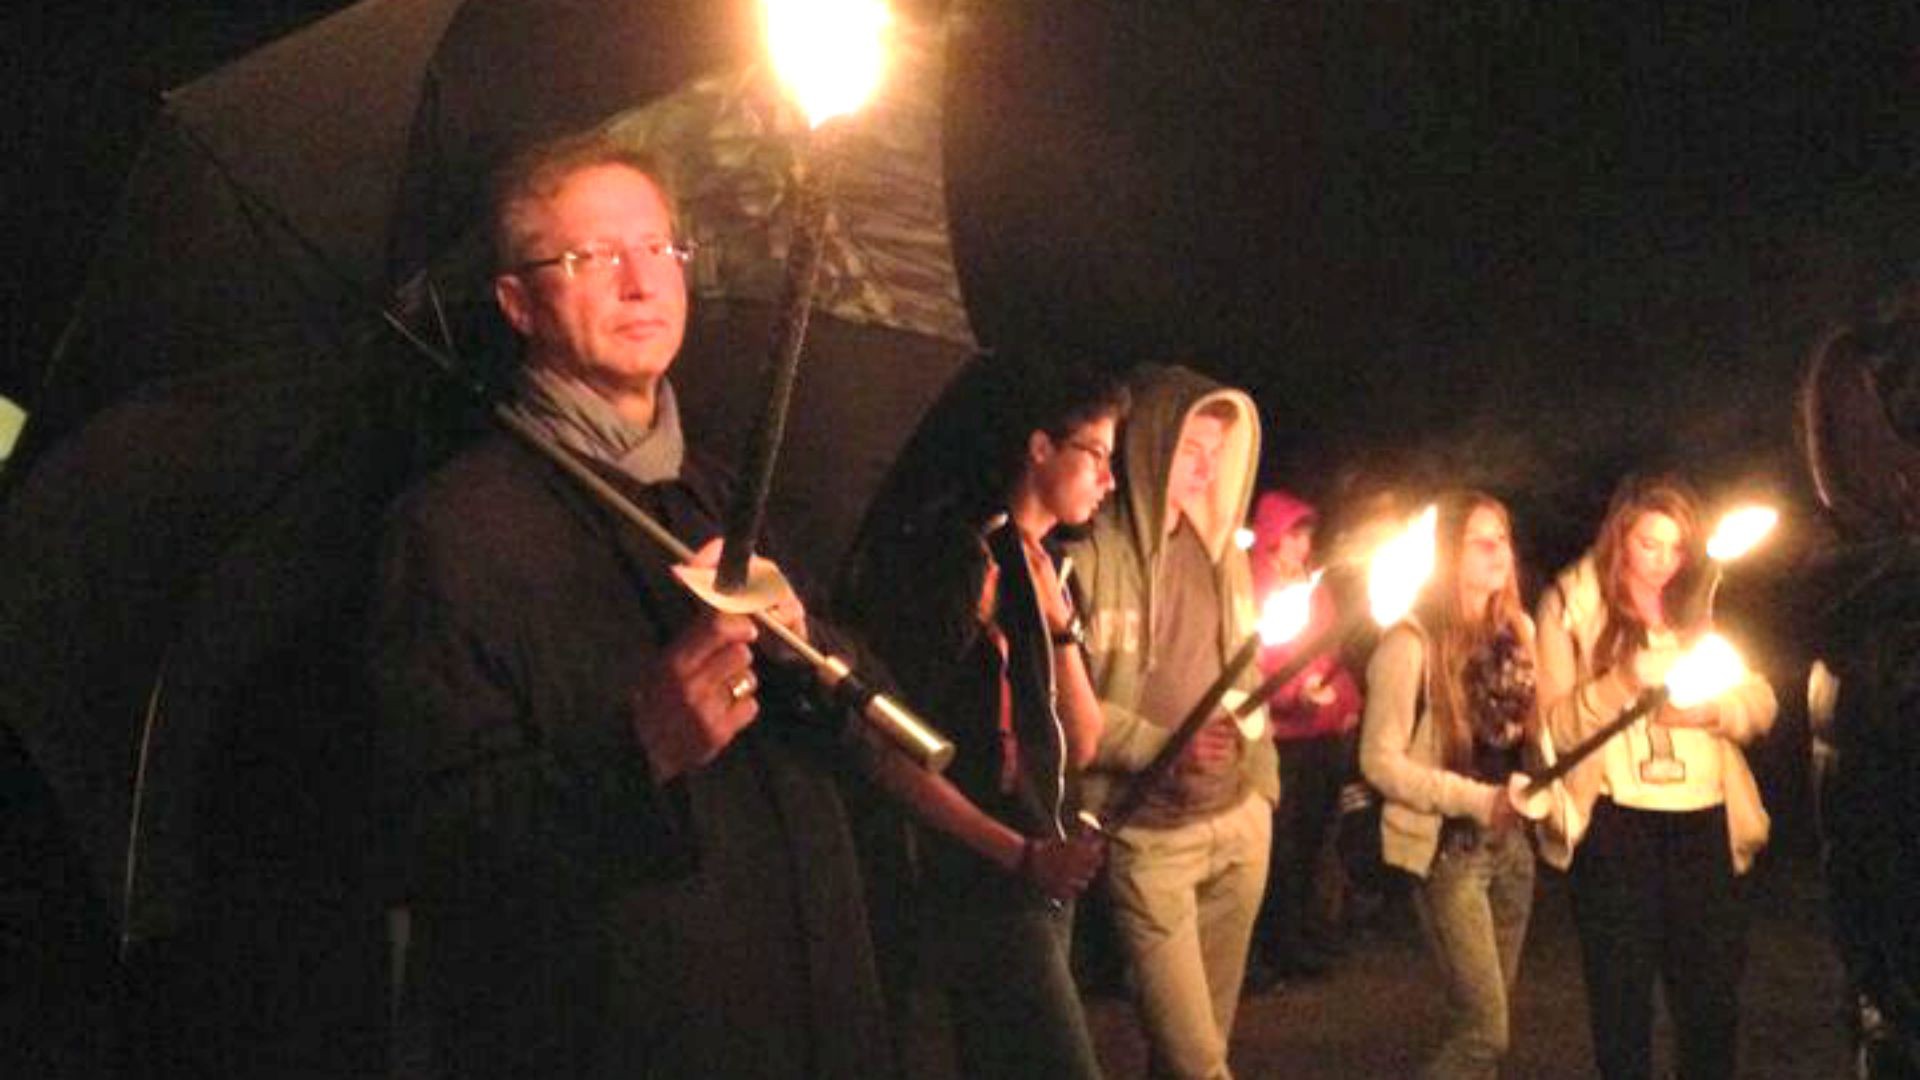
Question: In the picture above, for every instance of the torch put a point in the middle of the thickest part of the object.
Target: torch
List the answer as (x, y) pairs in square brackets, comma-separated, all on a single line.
[(1395, 575), (1708, 669), (1739, 531), (830, 56)]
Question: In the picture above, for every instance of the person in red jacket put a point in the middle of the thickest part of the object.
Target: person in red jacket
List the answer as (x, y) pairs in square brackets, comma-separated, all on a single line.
[(1314, 720)]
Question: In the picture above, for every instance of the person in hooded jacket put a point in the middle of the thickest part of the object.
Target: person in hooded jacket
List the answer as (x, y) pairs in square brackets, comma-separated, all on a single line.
[(1315, 718), (1171, 601)]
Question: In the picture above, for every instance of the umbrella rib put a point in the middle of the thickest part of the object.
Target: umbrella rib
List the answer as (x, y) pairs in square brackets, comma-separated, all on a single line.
[(131, 870), (257, 204)]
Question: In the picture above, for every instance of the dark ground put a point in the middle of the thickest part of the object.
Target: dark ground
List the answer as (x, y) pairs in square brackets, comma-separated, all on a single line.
[(1381, 1008)]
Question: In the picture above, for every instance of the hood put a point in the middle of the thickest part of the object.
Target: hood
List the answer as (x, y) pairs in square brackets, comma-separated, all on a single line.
[(1275, 514), (1163, 398)]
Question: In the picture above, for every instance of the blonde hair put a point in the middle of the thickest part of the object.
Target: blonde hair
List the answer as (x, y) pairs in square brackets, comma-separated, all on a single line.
[(1454, 634), (536, 173)]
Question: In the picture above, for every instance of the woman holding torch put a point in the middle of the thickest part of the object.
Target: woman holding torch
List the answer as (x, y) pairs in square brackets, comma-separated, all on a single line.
[(1666, 814), (1450, 708)]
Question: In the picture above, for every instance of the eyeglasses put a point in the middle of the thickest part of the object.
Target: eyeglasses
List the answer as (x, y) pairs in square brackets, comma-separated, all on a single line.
[(1102, 455), (603, 257)]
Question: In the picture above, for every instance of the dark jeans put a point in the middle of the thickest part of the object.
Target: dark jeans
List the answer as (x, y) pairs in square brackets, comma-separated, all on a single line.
[(1654, 895), (1311, 772), (1015, 1009)]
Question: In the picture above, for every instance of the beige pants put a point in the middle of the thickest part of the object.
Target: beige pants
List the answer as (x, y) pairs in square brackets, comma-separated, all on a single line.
[(1184, 903)]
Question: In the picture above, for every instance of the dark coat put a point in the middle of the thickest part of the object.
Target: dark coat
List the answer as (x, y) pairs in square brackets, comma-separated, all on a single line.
[(917, 599), (571, 918)]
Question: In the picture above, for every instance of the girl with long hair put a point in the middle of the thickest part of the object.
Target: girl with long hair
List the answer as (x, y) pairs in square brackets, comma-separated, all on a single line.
[(1449, 714), (1666, 815)]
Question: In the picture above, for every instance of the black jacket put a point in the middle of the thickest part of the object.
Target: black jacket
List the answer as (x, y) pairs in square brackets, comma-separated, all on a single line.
[(915, 600), (570, 917)]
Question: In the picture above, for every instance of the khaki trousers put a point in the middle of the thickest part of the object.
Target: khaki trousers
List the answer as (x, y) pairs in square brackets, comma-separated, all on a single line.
[(1184, 903)]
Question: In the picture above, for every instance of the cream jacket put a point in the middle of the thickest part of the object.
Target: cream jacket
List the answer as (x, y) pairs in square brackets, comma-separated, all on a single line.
[(1401, 755), (1575, 703)]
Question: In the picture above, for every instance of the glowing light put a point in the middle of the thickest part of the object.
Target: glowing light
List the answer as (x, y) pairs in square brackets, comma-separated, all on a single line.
[(12, 419), (1286, 612), (1740, 531), (1243, 538), (830, 54), (1711, 668), (1400, 567)]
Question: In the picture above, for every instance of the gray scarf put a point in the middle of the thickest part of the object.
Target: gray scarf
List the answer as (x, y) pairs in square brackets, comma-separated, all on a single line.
[(571, 414)]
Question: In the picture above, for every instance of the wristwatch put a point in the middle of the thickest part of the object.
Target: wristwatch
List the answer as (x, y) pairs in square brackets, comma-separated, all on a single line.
[(1074, 634)]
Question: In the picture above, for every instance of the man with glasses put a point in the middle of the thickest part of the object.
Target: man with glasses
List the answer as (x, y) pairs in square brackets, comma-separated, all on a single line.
[(612, 868), (1172, 600), (962, 597)]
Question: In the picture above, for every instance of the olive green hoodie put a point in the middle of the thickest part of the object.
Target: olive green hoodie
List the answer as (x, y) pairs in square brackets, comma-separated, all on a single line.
[(1115, 565)]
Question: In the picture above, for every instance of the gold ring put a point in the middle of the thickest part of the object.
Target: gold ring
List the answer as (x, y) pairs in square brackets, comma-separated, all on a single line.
[(741, 686)]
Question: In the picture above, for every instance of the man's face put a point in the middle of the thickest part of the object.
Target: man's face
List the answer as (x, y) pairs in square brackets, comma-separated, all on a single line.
[(1075, 473), (1196, 462), (617, 329)]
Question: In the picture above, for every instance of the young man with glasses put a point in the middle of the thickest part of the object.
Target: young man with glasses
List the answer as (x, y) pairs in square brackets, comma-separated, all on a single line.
[(613, 869), (962, 597)]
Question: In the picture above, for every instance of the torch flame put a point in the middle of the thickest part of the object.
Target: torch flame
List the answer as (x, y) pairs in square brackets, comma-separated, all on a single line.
[(1740, 531), (829, 53), (1400, 567), (1711, 668), (1287, 611)]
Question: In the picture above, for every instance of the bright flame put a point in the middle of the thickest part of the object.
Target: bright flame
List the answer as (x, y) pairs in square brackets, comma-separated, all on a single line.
[(829, 53), (1740, 530), (1243, 538), (1287, 611), (1399, 568), (1711, 668)]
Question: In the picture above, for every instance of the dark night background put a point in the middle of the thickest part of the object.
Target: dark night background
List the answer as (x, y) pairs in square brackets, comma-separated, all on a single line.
[(1524, 246)]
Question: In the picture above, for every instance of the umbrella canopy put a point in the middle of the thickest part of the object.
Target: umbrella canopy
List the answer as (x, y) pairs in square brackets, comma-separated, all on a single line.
[(282, 197)]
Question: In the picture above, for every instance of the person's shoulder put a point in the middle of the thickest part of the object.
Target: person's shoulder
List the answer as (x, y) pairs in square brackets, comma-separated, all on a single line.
[(489, 496), (477, 474), (1403, 641)]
